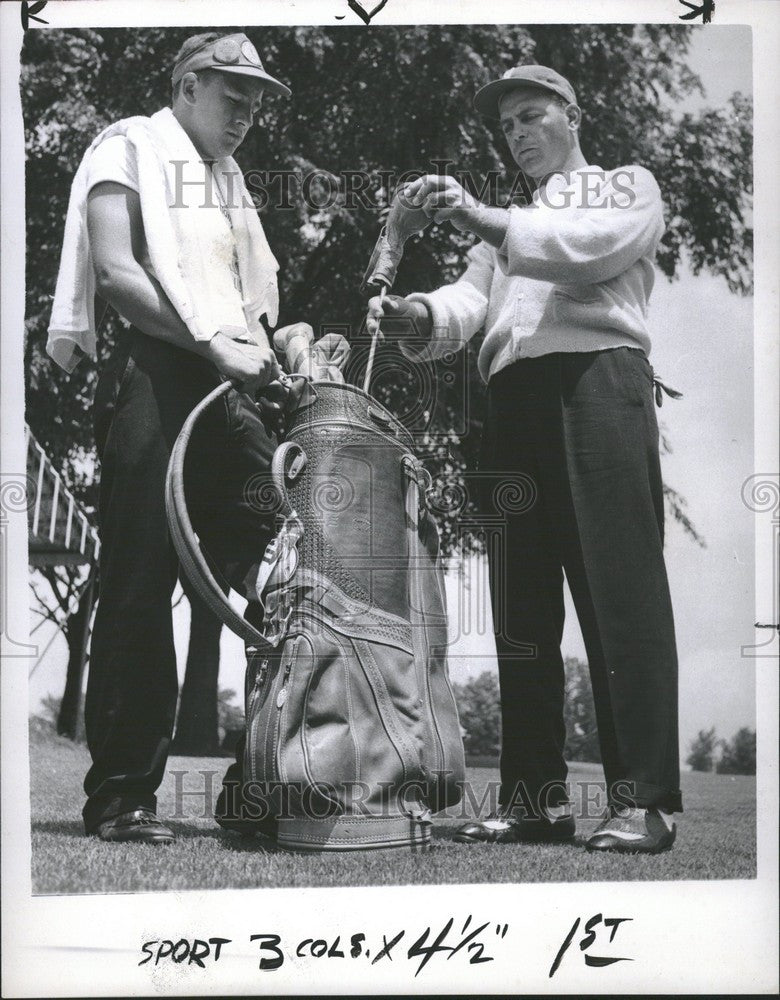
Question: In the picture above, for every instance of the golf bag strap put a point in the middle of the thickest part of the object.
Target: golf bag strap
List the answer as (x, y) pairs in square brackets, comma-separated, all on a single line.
[(183, 536)]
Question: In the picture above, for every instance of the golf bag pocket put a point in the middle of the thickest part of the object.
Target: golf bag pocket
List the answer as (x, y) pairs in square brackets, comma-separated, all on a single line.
[(336, 738), (352, 733)]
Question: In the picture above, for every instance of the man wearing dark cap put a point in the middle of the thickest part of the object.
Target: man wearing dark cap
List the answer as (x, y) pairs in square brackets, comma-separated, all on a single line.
[(161, 227), (561, 288)]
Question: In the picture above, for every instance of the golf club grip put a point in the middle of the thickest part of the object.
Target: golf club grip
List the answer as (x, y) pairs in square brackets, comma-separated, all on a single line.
[(295, 342), (298, 354)]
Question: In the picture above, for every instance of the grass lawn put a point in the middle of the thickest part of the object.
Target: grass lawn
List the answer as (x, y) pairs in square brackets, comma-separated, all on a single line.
[(716, 839)]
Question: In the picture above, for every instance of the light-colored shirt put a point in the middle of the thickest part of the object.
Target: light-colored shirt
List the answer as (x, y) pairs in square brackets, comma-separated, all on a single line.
[(190, 247), (574, 273), (115, 160)]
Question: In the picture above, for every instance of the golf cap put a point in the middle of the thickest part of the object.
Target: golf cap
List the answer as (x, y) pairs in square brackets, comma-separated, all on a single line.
[(230, 54), (486, 100)]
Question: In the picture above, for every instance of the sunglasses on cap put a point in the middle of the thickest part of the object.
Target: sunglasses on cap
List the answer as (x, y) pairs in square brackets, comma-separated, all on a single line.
[(229, 50), (232, 54)]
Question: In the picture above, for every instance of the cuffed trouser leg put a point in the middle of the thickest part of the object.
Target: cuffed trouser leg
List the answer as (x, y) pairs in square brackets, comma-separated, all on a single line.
[(617, 575), (581, 429), (526, 586), (143, 397)]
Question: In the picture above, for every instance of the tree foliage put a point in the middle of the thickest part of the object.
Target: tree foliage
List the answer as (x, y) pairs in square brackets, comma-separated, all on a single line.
[(701, 755), (582, 738), (390, 99), (479, 710), (230, 718), (738, 756), (735, 756)]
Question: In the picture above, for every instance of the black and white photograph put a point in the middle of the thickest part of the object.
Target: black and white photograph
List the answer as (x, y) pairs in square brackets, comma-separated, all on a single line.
[(390, 505)]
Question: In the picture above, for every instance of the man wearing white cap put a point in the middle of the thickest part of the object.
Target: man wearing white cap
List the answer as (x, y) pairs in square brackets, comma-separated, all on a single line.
[(561, 288), (160, 225)]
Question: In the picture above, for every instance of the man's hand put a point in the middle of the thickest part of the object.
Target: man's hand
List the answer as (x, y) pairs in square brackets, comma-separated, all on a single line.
[(274, 401), (443, 199), (398, 319), (254, 366)]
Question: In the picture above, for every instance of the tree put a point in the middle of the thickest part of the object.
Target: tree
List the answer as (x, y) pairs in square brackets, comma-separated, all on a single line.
[(738, 756), (231, 720), (68, 603), (230, 715), (702, 750), (479, 709), (49, 711), (582, 740)]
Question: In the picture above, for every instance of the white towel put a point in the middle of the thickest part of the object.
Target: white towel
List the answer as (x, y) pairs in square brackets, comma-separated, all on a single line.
[(190, 243)]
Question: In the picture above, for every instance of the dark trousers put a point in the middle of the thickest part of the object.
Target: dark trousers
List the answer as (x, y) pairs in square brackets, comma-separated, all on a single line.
[(577, 438), (143, 397)]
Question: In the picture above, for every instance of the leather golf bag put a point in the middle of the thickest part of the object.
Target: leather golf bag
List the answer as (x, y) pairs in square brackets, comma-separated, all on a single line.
[(352, 734)]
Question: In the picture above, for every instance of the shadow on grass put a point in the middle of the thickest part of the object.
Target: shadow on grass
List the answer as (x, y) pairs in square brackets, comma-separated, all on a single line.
[(442, 836), (237, 843), (250, 843), (186, 831), (75, 828), (62, 827)]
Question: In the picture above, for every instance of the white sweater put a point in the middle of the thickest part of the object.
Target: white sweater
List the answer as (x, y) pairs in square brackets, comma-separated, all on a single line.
[(574, 273)]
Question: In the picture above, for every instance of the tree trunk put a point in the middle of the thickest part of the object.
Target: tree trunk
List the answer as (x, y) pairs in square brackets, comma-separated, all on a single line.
[(197, 723), (76, 632)]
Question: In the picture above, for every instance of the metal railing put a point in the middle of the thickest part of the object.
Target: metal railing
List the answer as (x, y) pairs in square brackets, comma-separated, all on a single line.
[(59, 531)]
